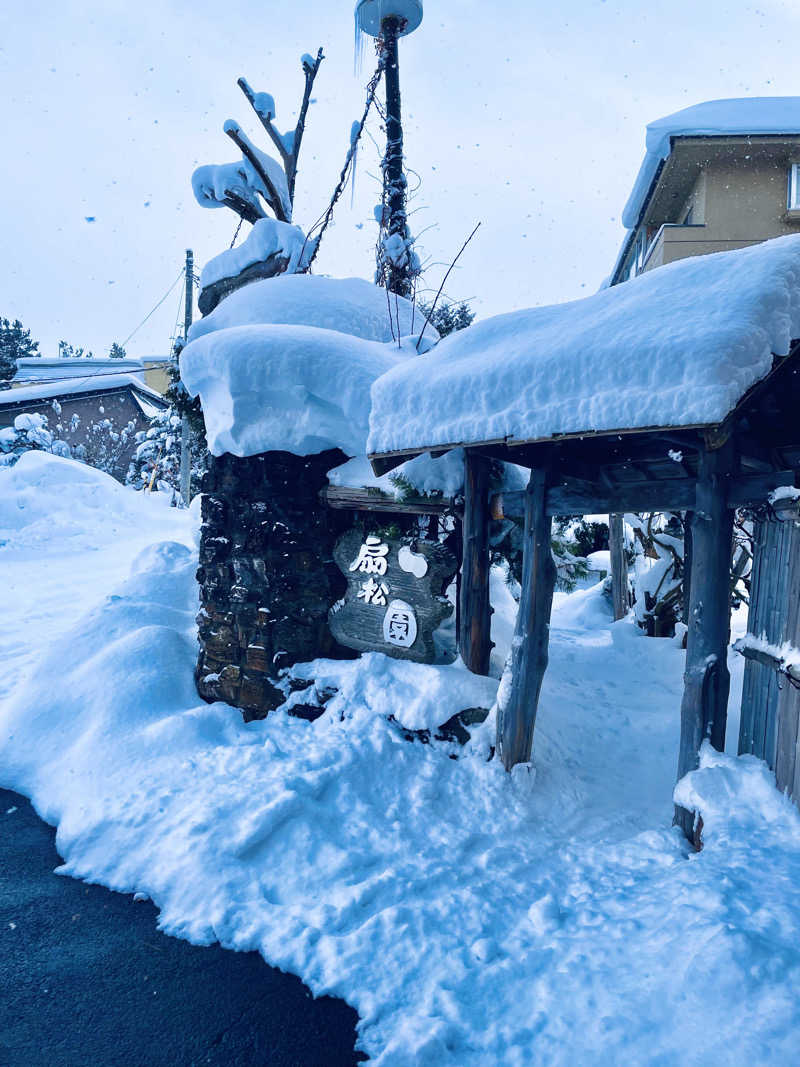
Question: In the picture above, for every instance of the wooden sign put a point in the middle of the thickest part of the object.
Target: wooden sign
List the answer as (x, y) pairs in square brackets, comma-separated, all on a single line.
[(395, 594)]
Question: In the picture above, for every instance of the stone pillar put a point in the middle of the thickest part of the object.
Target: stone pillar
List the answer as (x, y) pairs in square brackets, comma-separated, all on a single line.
[(267, 576)]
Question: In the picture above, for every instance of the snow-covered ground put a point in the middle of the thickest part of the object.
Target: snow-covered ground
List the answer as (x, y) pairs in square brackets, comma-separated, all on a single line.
[(471, 917)]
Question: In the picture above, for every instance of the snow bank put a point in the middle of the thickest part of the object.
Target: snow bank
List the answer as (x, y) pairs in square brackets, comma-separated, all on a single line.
[(46, 500), (347, 305), (283, 388), (749, 115), (268, 237), (674, 347)]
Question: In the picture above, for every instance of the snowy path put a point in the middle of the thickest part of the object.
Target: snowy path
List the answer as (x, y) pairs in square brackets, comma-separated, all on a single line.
[(471, 917)]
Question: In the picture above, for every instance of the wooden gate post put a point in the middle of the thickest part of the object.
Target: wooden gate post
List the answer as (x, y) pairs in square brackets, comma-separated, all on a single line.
[(704, 709), (619, 566), (475, 615), (516, 711)]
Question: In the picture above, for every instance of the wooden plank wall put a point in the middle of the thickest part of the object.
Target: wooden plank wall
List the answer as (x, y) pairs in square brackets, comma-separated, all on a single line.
[(770, 703)]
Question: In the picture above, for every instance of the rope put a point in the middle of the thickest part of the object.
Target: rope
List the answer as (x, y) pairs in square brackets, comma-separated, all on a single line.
[(233, 242), (324, 220)]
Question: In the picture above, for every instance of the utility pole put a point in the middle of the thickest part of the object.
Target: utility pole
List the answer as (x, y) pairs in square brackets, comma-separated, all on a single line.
[(186, 455), (388, 21), (398, 272)]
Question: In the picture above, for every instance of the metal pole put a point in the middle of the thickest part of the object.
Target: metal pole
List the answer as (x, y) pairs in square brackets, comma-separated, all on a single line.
[(186, 457), (399, 280)]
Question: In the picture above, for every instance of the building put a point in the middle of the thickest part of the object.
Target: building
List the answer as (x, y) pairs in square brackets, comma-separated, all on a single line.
[(717, 176), (88, 412), (152, 371)]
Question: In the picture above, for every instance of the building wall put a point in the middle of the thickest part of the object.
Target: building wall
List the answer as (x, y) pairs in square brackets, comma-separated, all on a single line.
[(118, 407), (733, 205), (156, 375)]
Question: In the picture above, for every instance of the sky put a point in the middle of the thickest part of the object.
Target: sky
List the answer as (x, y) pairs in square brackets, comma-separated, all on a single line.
[(528, 117)]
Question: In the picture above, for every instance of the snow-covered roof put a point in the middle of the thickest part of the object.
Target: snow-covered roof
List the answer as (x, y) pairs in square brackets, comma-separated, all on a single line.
[(286, 364), (91, 383), (678, 346), (715, 118)]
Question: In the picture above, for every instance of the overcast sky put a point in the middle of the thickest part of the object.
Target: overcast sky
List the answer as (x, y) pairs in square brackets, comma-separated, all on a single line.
[(526, 116)]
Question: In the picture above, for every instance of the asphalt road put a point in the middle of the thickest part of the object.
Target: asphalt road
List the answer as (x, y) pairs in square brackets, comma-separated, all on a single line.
[(86, 979)]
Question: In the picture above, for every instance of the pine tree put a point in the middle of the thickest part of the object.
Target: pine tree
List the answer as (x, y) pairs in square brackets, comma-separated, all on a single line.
[(117, 352), (15, 343), (448, 318)]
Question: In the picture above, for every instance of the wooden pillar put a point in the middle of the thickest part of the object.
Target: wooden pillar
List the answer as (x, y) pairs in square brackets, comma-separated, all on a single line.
[(474, 633), (619, 566), (517, 706), (704, 709)]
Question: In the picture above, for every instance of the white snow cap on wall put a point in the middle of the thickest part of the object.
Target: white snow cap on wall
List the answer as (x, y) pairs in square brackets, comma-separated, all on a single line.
[(286, 364), (347, 305), (677, 346), (750, 115)]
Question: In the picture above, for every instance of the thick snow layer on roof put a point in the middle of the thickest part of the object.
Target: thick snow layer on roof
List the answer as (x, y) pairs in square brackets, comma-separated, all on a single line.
[(348, 305), (268, 237), (90, 383), (287, 363), (753, 115), (284, 388), (677, 346)]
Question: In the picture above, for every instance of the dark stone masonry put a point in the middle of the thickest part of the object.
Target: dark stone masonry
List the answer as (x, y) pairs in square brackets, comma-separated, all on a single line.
[(267, 575)]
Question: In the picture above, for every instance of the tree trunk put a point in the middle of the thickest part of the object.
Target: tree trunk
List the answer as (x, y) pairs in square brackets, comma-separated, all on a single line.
[(516, 713), (474, 618), (704, 708)]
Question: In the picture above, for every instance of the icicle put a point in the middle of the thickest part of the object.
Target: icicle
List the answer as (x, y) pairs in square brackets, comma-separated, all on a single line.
[(355, 130), (359, 45)]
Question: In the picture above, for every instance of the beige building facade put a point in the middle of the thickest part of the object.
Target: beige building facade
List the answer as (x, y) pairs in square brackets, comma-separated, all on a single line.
[(712, 194)]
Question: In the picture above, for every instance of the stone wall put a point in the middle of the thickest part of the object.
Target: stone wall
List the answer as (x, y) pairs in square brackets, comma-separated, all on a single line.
[(267, 576)]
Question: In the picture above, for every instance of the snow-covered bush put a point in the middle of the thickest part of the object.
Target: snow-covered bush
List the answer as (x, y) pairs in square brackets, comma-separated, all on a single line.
[(156, 462), (29, 433), (101, 445)]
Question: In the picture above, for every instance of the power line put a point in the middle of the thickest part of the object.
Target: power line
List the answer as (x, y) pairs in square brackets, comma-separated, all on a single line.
[(158, 305)]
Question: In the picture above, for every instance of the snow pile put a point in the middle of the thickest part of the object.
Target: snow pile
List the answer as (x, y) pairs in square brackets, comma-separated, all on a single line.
[(213, 183), (268, 237), (287, 363), (674, 347), (46, 500), (418, 696), (715, 118), (425, 475), (347, 305), (284, 388)]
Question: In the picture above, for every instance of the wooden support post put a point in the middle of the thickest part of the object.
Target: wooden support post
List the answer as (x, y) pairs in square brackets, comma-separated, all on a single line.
[(619, 566), (516, 713), (704, 709), (475, 615)]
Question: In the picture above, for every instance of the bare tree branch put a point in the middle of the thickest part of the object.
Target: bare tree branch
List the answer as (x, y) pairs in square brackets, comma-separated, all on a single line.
[(289, 157), (249, 212), (310, 73), (244, 146)]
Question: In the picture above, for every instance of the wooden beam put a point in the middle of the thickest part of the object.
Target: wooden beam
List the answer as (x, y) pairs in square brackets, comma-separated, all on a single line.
[(704, 708), (673, 494), (343, 498), (619, 566), (474, 638), (516, 712)]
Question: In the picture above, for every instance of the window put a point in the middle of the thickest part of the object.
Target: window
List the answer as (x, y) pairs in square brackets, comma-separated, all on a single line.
[(794, 187)]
